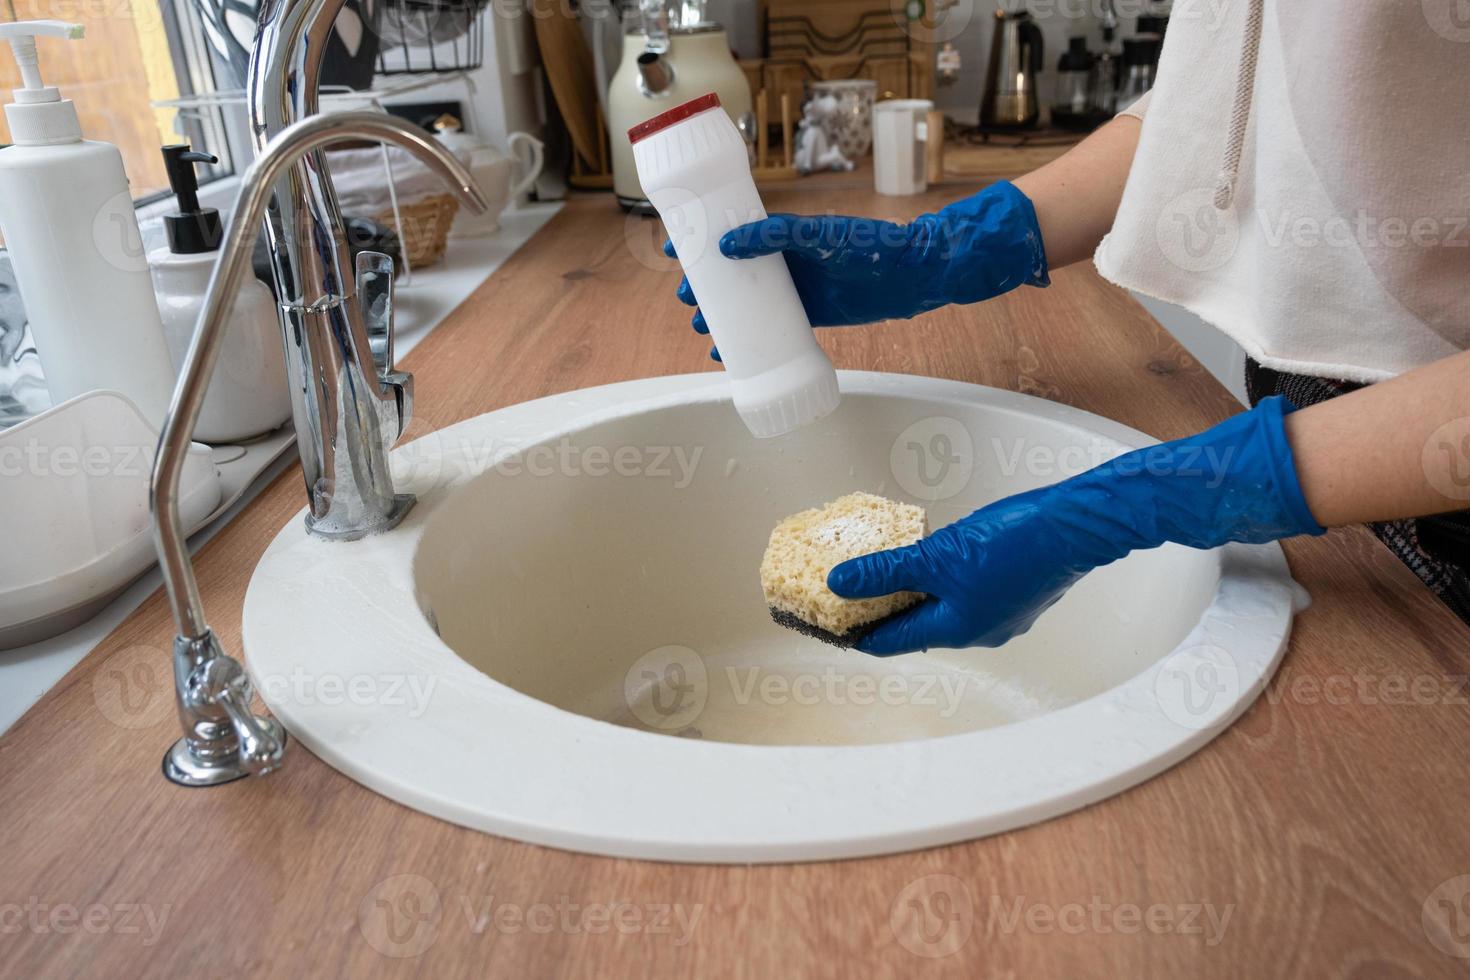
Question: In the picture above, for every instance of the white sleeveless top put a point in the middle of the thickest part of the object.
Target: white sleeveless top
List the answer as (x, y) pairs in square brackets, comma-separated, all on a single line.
[(1343, 249)]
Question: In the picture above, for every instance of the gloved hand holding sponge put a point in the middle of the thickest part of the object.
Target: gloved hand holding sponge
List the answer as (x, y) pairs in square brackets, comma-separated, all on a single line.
[(989, 576)]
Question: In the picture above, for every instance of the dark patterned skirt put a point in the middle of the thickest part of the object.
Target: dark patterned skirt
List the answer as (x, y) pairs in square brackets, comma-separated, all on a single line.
[(1437, 549)]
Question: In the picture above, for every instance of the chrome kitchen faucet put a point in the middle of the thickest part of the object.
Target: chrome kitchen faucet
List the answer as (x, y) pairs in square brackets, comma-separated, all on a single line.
[(348, 402)]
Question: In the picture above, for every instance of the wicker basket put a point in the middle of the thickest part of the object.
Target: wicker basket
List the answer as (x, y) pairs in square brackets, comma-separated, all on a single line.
[(425, 229)]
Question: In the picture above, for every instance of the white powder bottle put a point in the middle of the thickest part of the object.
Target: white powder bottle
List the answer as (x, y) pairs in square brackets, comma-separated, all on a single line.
[(693, 166)]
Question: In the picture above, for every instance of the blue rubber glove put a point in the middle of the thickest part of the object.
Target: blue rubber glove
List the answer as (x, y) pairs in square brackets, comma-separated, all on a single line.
[(860, 270), (991, 574)]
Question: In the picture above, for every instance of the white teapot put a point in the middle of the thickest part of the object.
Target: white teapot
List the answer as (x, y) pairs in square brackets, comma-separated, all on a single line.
[(492, 170)]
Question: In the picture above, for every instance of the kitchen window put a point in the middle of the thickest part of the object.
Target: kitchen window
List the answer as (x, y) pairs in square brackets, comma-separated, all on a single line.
[(135, 53)]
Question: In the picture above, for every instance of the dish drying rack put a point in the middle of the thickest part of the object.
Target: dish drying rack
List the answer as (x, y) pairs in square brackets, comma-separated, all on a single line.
[(455, 30)]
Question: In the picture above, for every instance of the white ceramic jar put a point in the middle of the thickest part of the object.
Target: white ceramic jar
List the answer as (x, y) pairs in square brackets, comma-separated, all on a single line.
[(693, 166)]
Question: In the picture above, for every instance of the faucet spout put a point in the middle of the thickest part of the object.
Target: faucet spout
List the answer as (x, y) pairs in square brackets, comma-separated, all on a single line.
[(655, 74)]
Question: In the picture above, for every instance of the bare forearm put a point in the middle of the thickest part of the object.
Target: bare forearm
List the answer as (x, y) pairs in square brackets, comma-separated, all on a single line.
[(1396, 449), (1076, 195)]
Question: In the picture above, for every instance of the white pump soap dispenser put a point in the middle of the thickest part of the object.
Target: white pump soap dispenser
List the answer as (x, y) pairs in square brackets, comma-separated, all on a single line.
[(67, 217), (248, 393)]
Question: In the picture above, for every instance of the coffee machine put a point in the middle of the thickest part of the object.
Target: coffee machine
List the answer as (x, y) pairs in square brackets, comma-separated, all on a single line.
[(1010, 100)]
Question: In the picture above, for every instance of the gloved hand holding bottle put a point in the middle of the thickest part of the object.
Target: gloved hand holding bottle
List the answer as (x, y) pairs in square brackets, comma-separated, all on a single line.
[(1381, 355), (989, 576), (861, 270)]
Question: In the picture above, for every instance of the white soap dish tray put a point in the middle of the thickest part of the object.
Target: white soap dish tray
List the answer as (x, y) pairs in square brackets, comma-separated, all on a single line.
[(74, 523)]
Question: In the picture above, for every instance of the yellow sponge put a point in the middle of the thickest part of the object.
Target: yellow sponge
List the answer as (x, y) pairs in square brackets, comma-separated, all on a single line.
[(804, 547)]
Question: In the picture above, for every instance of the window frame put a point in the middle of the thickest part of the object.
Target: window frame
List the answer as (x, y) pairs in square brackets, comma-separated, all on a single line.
[(217, 126)]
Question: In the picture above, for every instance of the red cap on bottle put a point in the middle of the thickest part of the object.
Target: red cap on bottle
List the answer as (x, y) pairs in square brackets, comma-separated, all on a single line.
[(667, 118)]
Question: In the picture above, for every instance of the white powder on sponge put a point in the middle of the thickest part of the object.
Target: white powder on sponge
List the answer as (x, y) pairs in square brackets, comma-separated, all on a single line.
[(804, 547)]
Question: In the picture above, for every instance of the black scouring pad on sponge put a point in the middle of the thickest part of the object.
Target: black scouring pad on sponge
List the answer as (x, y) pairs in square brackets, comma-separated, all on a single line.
[(846, 640)]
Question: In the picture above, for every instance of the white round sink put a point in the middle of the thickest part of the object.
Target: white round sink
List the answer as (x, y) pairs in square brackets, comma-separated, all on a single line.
[(566, 641)]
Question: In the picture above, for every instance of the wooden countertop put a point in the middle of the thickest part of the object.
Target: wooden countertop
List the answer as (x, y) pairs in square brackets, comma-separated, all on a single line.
[(1306, 840)]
